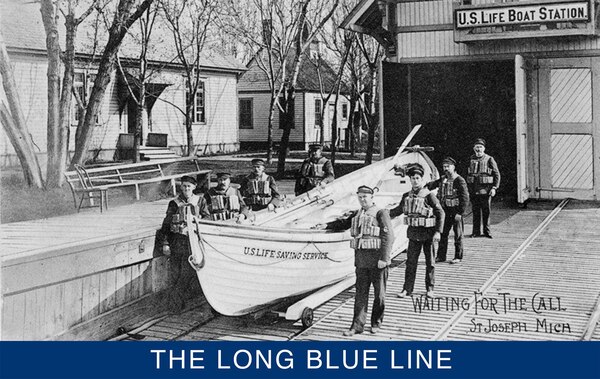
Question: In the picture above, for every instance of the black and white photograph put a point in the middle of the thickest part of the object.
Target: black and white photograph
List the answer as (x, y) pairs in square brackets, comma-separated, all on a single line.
[(300, 170)]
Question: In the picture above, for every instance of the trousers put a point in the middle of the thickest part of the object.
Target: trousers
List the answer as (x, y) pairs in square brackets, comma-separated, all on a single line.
[(481, 213), (457, 225), (364, 278), (413, 252)]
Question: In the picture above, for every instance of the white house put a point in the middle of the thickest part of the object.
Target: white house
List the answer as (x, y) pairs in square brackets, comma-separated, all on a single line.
[(254, 101), (215, 125)]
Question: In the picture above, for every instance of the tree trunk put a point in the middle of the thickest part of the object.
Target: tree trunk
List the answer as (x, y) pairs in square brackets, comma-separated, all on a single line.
[(371, 119), (14, 123), (50, 19), (287, 129), (139, 113), (188, 127), (351, 126), (121, 23), (270, 130)]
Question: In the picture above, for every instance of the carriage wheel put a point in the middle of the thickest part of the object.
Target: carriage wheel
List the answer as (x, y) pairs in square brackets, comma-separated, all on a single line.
[(307, 317)]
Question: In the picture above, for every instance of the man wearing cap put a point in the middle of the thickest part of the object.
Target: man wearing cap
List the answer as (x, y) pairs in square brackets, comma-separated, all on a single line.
[(226, 202), (454, 197), (175, 228), (425, 219), (315, 170), (372, 240), (259, 189), (483, 179)]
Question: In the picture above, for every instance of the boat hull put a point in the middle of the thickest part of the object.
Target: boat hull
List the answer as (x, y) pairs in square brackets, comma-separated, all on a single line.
[(244, 268)]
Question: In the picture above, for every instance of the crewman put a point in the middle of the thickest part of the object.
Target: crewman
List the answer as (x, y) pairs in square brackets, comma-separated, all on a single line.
[(454, 197), (259, 189), (226, 202), (175, 228), (315, 170), (372, 240), (425, 219), (483, 179)]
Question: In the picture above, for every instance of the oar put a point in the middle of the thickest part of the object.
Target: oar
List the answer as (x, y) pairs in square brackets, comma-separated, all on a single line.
[(407, 140), (317, 195)]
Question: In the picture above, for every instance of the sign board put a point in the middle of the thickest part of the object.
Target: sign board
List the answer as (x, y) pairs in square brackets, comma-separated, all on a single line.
[(522, 14)]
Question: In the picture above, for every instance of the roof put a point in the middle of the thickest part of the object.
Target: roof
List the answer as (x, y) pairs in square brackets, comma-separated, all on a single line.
[(23, 30), (255, 80), (364, 16)]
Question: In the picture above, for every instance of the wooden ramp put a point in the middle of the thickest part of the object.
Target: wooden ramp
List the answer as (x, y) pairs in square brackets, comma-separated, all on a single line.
[(536, 255)]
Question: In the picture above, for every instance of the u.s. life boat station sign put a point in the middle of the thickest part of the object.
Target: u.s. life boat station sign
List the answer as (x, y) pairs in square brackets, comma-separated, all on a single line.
[(524, 19)]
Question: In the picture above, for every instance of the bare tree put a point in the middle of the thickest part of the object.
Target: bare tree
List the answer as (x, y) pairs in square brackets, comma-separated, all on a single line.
[(138, 95), (280, 34), (59, 96), (14, 123), (372, 54), (127, 12), (189, 22)]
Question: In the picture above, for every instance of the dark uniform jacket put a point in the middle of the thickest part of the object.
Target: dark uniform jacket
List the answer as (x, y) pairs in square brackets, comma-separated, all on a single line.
[(231, 191), (308, 178), (460, 186), (275, 195), (368, 258), (480, 188), (421, 233)]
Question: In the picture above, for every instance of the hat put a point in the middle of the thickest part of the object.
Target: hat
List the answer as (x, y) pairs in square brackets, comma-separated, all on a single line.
[(315, 146), (188, 179), (258, 162), (479, 141), (365, 189), (449, 160), (225, 175), (415, 168)]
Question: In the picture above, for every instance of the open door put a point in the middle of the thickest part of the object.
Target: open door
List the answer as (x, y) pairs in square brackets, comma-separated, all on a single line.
[(523, 185)]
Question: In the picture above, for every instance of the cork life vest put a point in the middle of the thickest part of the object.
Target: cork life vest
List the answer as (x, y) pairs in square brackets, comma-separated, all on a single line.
[(365, 230), (314, 172), (178, 220), (416, 211), (448, 194), (258, 191), (480, 171), (223, 206)]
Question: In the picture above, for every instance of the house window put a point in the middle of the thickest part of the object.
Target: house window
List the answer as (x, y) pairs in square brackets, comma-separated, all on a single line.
[(345, 111), (318, 110), (83, 82), (199, 104), (282, 115), (246, 120)]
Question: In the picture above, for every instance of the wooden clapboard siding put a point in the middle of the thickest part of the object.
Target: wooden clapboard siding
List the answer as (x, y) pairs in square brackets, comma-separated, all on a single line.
[(424, 13), (260, 118), (311, 130), (66, 278), (572, 161), (30, 74)]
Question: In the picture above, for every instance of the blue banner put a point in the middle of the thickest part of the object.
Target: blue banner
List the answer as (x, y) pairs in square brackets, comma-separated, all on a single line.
[(291, 360)]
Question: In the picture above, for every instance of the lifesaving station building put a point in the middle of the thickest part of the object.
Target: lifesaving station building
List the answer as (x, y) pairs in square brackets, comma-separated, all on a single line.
[(524, 75)]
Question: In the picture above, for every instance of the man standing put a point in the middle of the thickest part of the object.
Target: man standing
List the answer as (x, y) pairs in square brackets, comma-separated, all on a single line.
[(454, 197), (259, 189), (425, 219), (175, 228), (483, 179), (316, 170), (372, 240), (225, 202)]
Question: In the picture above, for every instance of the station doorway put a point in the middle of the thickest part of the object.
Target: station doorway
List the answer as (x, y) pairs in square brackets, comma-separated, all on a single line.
[(456, 103)]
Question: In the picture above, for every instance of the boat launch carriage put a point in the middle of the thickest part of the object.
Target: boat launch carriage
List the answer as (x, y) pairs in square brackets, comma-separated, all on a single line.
[(245, 268)]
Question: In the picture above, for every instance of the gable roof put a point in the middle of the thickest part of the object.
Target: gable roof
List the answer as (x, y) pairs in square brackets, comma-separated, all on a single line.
[(23, 31), (255, 79)]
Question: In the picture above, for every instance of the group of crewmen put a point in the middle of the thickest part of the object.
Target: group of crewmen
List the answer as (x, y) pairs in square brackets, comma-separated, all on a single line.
[(257, 191), (429, 218)]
